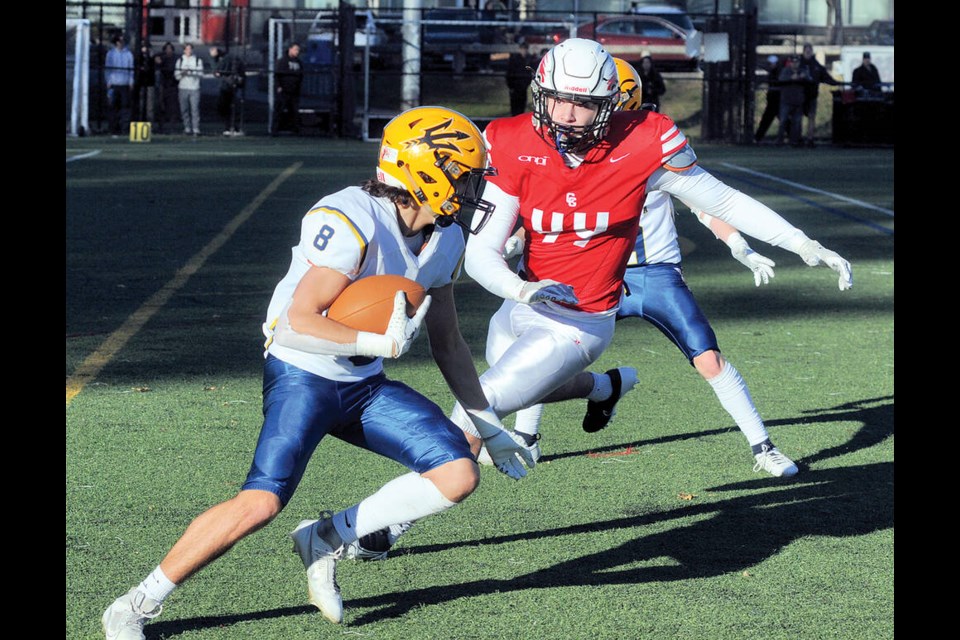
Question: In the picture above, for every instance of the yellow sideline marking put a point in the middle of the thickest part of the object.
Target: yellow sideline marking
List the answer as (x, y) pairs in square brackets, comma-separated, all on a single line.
[(96, 361)]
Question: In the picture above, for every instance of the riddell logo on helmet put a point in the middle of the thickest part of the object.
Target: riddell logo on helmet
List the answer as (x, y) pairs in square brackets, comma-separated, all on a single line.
[(576, 89)]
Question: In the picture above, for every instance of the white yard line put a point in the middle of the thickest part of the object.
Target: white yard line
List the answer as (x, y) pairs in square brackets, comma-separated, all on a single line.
[(797, 185)]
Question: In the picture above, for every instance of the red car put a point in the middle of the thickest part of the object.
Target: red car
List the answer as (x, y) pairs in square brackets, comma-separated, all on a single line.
[(633, 36)]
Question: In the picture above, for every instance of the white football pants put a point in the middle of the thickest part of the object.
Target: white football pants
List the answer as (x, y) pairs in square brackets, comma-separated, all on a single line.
[(533, 349)]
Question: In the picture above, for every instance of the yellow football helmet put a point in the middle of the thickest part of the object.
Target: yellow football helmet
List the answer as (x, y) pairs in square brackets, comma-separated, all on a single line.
[(439, 157), (630, 86)]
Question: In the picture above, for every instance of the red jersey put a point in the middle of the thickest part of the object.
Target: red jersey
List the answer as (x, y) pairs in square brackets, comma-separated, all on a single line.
[(581, 223)]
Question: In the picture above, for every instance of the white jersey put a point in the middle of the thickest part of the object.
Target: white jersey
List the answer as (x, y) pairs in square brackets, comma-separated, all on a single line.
[(657, 241), (358, 235)]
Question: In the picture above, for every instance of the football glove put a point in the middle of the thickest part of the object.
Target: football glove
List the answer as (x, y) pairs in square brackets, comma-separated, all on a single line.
[(508, 451), (400, 334), (761, 266), (533, 292), (814, 253), (512, 247)]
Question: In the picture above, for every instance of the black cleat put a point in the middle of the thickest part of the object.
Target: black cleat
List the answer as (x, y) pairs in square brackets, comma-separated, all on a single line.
[(600, 413)]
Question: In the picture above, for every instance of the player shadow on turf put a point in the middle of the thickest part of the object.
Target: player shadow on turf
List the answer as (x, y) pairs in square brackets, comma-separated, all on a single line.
[(876, 426), (840, 502), (837, 502), (171, 628)]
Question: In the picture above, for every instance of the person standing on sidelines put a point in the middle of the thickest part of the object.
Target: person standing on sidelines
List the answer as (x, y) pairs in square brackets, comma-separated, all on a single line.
[(232, 74), (519, 75), (288, 80), (120, 80), (323, 378), (189, 71), (653, 87), (818, 75), (772, 109), (169, 92)]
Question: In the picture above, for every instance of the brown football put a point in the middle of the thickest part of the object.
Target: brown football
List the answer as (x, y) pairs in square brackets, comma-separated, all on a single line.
[(366, 305)]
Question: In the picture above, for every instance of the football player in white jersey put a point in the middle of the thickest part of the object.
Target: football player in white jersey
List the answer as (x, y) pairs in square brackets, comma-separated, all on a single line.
[(574, 175), (324, 378), (654, 289)]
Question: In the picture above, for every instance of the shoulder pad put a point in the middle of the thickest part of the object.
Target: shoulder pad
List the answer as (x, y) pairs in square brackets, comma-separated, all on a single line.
[(683, 159)]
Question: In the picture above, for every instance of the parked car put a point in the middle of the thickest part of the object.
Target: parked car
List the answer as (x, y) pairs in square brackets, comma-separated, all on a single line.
[(633, 36), (675, 15), (880, 32), (443, 43)]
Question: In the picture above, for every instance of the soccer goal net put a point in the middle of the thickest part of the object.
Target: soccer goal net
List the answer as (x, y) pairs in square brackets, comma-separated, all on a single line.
[(78, 76)]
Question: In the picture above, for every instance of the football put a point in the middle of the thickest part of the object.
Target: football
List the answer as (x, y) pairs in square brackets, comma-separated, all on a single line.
[(366, 305)]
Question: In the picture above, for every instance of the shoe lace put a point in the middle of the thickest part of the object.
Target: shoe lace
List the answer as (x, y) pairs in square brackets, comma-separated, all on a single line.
[(765, 452), (331, 566), (139, 615)]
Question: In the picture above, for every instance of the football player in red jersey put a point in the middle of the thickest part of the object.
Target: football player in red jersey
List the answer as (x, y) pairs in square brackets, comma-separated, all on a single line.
[(655, 290), (575, 176)]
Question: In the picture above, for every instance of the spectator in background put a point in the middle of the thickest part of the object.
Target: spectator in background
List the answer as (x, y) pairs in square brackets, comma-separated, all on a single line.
[(188, 72), (817, 74), (146, 84), (793, 83), (169, 100), (119, 75), (772, 110), (288, 79), (232, 73), (651, 82), (866, 78), (519, 75)]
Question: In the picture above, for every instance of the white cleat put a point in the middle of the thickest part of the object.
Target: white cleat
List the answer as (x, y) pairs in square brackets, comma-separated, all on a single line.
[(124, 619), (774, 463), (320, 559)]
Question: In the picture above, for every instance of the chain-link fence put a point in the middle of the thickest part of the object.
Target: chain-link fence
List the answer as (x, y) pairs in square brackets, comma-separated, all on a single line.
[(363, 67)]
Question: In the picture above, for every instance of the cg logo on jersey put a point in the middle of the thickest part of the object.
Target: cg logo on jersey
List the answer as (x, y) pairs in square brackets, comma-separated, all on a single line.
[(540, 161), (571, 199)]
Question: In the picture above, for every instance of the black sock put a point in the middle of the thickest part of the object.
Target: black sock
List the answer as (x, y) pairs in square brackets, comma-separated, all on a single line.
[(758, 448), (328, 533), (529, 438)]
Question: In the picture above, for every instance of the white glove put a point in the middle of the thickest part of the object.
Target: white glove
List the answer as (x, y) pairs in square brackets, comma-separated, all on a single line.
[(814, 253), (400, 334), (533, 292), (761, 266), (507, 450), (512, 247)]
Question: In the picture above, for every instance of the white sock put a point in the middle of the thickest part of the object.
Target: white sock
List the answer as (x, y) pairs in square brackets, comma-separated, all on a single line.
[(528, 420), (734, 396), (602, 387), (157, 586), (404, 499)]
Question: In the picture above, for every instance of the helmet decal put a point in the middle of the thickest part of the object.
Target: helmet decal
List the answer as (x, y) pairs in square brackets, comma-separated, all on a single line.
[(438, 156)]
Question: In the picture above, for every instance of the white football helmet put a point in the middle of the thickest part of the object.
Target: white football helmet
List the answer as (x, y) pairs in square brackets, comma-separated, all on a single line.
[(577, 70)]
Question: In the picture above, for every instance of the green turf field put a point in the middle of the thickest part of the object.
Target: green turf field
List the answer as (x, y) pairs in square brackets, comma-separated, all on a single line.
[(654, 528)]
